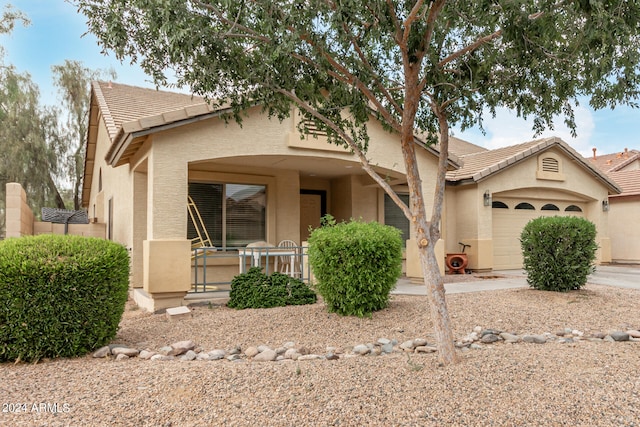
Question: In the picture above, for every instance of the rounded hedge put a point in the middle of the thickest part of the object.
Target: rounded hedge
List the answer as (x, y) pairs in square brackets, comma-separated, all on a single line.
[(60, 296), (254, 289), (356, 265), (558, 252)]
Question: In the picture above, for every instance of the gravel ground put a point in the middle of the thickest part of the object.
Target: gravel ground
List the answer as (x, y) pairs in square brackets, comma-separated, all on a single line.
[(578, 384)]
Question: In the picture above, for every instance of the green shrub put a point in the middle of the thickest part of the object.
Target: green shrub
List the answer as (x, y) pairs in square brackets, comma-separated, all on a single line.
[(356, 265), (60, 296), (254, 289), (558, 252)]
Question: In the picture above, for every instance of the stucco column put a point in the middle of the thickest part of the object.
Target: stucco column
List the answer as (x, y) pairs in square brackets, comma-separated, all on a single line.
[(480, 253), (166, 250)]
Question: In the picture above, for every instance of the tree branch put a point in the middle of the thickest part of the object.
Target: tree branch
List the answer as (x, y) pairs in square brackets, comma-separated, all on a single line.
[(473, 46), (352, 145), (232, 23), (352, 80)]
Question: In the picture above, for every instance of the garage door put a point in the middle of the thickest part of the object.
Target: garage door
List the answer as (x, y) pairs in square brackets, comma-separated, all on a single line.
[(510, 217)]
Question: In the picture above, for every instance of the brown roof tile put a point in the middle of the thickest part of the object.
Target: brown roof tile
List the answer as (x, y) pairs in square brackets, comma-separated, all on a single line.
[(480, 164), (477, 166), (121, 103), (628, 180), (460, 147)]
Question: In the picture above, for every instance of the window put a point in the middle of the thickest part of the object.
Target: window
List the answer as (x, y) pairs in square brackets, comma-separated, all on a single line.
[(549, 207), (573, 208), (499, 205), (233, 214), (525, 205), (394, 216)]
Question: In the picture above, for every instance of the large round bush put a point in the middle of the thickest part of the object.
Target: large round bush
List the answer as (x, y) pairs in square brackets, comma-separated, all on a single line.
[(356, 265), (558, 252), (60, 296)]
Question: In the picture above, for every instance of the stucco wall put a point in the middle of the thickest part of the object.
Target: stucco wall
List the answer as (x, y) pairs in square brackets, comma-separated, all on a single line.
[(624, 230), (522, 182), (117, 187)]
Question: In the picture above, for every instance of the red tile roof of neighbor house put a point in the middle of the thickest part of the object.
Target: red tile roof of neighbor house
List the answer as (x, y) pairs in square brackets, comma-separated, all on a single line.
[(478, 165), (616, 161), (622, 167)]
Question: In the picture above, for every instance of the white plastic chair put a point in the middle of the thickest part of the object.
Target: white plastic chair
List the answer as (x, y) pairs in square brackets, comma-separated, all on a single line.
[(289, 263)]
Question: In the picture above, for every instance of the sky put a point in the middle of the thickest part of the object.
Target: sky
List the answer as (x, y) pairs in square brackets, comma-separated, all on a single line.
[(56, 33)]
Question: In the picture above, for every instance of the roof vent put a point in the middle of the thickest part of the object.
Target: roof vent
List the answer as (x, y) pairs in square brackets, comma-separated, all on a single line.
[(550, 165)]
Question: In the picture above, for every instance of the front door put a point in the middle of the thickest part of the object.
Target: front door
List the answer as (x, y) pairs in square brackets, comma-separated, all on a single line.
[(313, 206)]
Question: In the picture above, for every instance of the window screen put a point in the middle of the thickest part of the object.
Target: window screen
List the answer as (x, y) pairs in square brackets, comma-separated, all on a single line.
[(394, 216), (233, 214)]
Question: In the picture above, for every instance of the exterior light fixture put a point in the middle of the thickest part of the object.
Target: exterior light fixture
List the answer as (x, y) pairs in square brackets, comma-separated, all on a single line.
[(605, 206), (487, 198)]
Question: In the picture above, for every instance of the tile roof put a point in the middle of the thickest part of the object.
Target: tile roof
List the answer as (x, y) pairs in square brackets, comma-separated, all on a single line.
[(460, 147), (483, 163), (480, 165), (120, 104), (628, 180), (616, 161)]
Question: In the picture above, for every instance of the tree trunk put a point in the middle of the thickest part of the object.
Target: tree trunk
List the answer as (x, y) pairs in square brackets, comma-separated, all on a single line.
[(427, 235), (56, 194)]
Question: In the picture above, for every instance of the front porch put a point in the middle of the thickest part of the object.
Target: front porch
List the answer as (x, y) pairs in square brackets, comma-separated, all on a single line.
[(213, 270)]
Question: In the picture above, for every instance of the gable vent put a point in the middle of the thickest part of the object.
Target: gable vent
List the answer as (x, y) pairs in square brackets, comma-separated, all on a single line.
[(550, 165), (313, 129)]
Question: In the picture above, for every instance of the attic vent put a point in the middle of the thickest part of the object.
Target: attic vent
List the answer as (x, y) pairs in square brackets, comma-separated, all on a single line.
[(312, 128), (550, 165)]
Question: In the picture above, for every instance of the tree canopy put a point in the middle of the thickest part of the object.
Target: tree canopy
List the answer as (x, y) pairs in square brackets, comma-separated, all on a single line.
[(416, 66), (42, 146)]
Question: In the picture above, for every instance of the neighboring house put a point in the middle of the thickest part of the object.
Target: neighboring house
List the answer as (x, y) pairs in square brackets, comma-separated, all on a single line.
[(624, 208), (493, 195), (148, 150)]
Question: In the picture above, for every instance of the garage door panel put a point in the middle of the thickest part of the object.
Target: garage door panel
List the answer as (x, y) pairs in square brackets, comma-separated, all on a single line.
[(507, 227)]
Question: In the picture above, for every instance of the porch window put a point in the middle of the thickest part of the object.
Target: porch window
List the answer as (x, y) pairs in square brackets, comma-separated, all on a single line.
[(233, 214), (394, 216)]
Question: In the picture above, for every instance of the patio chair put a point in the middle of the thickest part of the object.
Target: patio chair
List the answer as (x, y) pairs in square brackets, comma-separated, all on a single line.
[(289, 263)]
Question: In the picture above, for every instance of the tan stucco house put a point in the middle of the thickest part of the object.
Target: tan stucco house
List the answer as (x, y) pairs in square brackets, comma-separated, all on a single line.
[(149, 152), (494, 193), (624, 208)]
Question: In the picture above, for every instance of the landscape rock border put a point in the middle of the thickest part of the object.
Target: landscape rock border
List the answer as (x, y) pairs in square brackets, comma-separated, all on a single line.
[(478, 339)]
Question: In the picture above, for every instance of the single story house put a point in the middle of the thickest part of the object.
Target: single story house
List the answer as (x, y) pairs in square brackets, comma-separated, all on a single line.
[(494, 193), (149, 152), (153, 155)]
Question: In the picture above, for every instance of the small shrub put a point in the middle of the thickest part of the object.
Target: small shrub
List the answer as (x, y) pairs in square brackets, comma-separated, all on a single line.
[(254, 289), (356, 265), (558, 252), (60, 296)]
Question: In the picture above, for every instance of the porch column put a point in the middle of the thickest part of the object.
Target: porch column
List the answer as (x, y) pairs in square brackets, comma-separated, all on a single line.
[(166, 250)]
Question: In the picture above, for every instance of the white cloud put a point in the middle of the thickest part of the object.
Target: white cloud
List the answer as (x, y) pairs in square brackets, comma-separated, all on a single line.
[(508, 129)]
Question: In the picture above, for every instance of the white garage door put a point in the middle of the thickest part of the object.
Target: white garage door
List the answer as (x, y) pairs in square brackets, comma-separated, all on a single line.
[(509, 218)]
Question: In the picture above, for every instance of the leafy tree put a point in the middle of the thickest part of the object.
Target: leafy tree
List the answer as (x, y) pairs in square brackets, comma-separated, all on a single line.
[(42, 147), (416, 66), (74, 82), (25, 129)]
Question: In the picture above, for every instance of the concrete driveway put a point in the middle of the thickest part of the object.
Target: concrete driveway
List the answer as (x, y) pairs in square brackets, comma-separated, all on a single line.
[(610, 275)]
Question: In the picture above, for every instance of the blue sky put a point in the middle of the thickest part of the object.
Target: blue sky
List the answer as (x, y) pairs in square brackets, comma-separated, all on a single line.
[(56, 30)]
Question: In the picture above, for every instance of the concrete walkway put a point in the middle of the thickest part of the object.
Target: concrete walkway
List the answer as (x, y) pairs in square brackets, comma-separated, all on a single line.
[(610, 275)]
